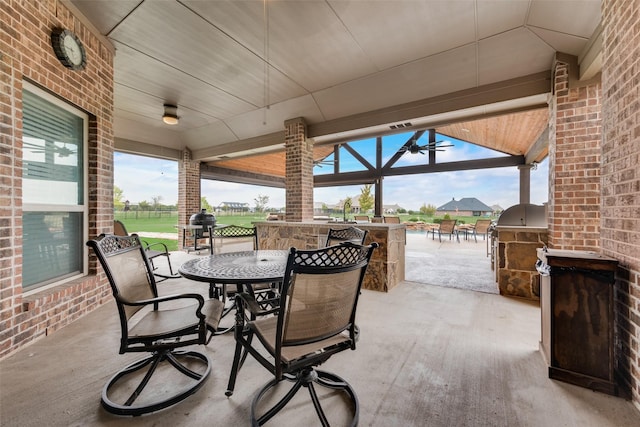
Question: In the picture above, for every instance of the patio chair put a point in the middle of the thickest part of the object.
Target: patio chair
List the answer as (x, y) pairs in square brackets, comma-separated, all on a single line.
[(352, 234), (145, 327), (481, 227), (235, 238), (447, 226), (391, 219), (315, 319), (151, 250)]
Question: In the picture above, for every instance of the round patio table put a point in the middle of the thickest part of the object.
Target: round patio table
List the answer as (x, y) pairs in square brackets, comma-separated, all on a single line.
[(243, 269), (240, 268)]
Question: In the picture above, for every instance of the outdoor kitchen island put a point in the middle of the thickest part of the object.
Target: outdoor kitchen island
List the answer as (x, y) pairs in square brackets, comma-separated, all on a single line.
[(386, 269)]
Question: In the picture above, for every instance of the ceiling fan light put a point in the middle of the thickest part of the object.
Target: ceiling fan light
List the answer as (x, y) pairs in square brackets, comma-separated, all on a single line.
[(170, 115)]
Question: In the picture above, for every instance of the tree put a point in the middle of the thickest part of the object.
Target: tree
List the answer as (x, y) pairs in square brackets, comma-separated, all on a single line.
[(204, 204), (366, 200), (261, 202), (118, 195), (156, 201), (428, 210)]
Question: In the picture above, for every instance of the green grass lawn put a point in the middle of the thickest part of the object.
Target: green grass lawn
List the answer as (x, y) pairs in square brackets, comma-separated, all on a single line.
[(139, 222), (150, 222)]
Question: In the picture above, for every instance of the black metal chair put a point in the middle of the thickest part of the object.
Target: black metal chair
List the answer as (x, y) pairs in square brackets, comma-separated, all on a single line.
[(145, 327), (151, 250), (314, 320), (235, 238), (352, 234)]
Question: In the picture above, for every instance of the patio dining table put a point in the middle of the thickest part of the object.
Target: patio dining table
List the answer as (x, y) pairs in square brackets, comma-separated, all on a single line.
[(239, 268), (244, 270)]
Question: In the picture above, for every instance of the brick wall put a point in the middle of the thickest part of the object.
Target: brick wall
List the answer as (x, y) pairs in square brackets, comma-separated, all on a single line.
[(26, 54), (188, 189), (620, 211), (299, 171), (574, 163)]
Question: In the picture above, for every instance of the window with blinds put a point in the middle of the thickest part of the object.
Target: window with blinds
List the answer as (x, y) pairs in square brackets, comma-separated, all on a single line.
[(53, 189)]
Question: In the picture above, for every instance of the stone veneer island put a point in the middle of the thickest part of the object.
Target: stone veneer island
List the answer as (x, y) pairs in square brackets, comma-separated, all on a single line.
[(386, 269)]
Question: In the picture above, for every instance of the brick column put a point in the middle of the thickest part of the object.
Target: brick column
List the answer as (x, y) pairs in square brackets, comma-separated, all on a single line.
[(574, 163), (188, 190), (299, 171), (621, 180)]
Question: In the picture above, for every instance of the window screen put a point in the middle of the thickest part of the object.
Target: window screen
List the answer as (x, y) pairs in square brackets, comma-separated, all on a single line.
[(53, 190)]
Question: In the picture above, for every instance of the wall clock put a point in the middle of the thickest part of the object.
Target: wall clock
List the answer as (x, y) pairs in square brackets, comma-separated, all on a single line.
[(68, 48)]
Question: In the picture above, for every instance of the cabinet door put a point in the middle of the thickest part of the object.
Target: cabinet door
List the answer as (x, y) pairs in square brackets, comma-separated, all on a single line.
[(582, 330)]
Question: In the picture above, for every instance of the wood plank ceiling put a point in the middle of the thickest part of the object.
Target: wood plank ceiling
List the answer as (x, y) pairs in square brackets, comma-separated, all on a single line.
[(512, 134)]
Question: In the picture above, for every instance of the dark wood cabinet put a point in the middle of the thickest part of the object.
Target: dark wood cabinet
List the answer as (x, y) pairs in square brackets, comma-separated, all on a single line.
[(576, 301)]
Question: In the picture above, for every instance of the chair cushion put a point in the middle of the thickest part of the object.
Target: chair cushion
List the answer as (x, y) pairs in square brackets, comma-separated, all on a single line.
[(266, 330), (163, 322)]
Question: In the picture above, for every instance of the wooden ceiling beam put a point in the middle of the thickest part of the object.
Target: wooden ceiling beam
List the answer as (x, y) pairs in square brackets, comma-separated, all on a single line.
[(370, 176), (242, 177)]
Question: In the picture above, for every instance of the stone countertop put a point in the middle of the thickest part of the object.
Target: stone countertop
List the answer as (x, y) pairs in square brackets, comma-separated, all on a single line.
[(369, 225), (522, 227)]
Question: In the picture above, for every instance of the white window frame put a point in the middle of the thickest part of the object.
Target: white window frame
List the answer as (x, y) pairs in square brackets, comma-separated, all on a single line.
[(84, 209)]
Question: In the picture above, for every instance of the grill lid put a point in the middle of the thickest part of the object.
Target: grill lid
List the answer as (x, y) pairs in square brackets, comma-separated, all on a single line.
[(202, 218), (524, 215)]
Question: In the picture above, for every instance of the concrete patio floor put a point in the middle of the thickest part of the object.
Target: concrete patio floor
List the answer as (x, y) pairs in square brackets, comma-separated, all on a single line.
[(429, 355)]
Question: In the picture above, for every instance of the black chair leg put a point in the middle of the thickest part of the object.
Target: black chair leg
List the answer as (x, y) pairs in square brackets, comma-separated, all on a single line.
[(307, 378), (239, 358), (129, 407)]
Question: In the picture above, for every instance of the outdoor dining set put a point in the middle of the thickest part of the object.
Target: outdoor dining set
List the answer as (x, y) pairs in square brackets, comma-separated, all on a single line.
[(290, 310)]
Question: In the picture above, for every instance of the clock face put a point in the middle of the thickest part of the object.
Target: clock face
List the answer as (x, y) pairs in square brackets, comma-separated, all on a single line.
[(72, 49), (68, 48)]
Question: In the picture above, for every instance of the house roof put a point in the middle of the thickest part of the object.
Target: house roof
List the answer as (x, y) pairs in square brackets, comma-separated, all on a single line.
[(234, 204), (465, 204)]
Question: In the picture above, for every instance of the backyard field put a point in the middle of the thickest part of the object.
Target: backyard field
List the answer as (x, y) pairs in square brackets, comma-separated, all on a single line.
[(166, 222)]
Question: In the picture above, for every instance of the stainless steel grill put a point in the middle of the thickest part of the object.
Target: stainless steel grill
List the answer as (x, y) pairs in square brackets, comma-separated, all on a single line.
[(524, 215), (521, 215)]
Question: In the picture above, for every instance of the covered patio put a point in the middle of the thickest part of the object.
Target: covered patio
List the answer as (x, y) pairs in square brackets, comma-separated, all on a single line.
[(356, 70), (428, 355)]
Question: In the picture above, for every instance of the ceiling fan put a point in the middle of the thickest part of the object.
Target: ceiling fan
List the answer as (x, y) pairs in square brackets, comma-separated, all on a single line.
[(413, 147), (62, 151), (323, 162)]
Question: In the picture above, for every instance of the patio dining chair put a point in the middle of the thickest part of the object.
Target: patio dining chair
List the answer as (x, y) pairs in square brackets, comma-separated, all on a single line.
[(447, 227), (236, 238), (314, 320), (391, 219), (352, 234), (156, 325), (481, 228), (151, 250)]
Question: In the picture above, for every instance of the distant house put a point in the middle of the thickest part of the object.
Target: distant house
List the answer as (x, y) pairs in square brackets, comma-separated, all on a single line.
[(467, 206), (391, 209), (233, 207)]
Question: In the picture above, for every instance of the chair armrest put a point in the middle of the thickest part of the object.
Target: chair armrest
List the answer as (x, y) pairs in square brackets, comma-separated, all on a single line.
[(245, 301), (199, 298), (148, 246)]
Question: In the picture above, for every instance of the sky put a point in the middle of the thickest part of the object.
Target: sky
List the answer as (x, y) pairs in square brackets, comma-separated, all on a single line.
[(143, 178)]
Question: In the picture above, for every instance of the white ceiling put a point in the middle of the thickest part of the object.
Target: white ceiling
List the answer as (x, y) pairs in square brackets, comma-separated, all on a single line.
[(237, 73)]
